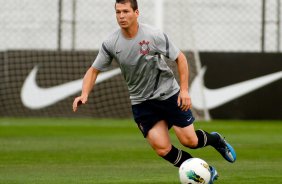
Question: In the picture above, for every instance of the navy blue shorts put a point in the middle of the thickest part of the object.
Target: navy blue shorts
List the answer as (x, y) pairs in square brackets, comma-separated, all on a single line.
[(148, 113)]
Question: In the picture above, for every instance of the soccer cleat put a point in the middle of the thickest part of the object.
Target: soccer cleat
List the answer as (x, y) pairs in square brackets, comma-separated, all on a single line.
[(225, 149), (214, 175)]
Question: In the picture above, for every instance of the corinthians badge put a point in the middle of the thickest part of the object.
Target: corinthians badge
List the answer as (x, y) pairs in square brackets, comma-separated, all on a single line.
[(144, 49)]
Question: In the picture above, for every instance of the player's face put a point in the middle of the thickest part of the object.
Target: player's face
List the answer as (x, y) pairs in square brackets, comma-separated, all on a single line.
[(126, 16)]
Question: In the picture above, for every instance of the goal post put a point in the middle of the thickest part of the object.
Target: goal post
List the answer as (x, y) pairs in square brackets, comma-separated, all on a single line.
[(191, 32), (159, 8)]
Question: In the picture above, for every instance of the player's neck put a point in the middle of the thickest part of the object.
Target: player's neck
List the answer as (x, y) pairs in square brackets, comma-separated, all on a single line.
[(130, 32)]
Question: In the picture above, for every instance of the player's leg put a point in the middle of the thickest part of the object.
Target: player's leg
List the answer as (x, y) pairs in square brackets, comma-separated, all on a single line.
[(200, 138), (194, 139), (158, 138), (182, 122)]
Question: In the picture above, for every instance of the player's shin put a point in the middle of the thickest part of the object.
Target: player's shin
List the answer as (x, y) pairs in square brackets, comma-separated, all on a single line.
[(176, 156), (205, 139)]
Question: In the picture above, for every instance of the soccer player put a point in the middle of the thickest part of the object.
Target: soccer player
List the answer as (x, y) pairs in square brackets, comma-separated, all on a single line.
[(158, 101)]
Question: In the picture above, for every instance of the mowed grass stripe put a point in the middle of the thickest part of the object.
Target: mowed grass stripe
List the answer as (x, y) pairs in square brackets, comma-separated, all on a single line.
[(108, 151)]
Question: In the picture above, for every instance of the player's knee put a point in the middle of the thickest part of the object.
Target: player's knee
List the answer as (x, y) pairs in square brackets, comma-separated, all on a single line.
[(162, 151), (190, 142)]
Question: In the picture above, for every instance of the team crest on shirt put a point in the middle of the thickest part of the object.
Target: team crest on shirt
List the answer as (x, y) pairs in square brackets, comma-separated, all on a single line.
[(144, 47)]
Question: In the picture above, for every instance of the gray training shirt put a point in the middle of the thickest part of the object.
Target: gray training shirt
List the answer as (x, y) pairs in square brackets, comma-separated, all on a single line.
[(145, 72)]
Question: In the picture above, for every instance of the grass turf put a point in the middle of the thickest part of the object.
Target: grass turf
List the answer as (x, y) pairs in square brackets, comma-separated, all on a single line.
[(107, 151)]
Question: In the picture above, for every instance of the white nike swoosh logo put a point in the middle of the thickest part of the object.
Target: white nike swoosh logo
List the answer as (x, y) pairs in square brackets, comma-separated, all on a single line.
[(217, 97), (35, 97)]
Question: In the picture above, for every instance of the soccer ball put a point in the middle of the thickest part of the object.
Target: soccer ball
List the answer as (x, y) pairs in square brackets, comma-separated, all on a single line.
[(194, 171)]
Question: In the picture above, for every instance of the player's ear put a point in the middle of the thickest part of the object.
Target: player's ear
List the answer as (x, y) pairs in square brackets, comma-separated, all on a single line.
[(137, 12)]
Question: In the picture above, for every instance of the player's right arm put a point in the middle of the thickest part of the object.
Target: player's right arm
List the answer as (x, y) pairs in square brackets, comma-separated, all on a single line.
[(101, 63), (88, 84)]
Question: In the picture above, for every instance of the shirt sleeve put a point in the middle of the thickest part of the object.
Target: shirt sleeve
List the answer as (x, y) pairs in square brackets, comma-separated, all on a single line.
[(166, 47), (103, 59)]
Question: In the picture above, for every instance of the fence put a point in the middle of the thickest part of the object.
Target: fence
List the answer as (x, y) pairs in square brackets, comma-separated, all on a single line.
[(218, 25)]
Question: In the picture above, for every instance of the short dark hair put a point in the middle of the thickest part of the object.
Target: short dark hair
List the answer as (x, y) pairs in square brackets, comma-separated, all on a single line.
[(133, 3)]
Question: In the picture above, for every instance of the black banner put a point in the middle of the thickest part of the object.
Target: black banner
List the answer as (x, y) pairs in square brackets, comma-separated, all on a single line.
[(54, 70), (225, 69), (44, 83)]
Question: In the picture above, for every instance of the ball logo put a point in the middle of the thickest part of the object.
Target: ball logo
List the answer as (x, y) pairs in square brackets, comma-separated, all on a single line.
[(193, 176), (205, 165), (144, 49)]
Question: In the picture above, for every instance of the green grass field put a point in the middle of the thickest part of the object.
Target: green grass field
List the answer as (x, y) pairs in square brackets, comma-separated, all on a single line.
[(73, 151)]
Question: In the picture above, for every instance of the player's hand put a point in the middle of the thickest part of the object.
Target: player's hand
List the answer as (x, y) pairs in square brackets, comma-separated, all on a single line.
[(78, 101), (184, 100)]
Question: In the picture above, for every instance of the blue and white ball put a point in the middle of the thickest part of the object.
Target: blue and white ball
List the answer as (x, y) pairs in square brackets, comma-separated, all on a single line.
[(194, 171)]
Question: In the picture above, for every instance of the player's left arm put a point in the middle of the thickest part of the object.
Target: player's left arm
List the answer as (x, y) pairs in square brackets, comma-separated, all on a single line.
[(184, 100)]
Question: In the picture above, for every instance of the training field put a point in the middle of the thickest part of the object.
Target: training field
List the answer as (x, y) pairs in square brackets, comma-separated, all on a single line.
[(74, 151)]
